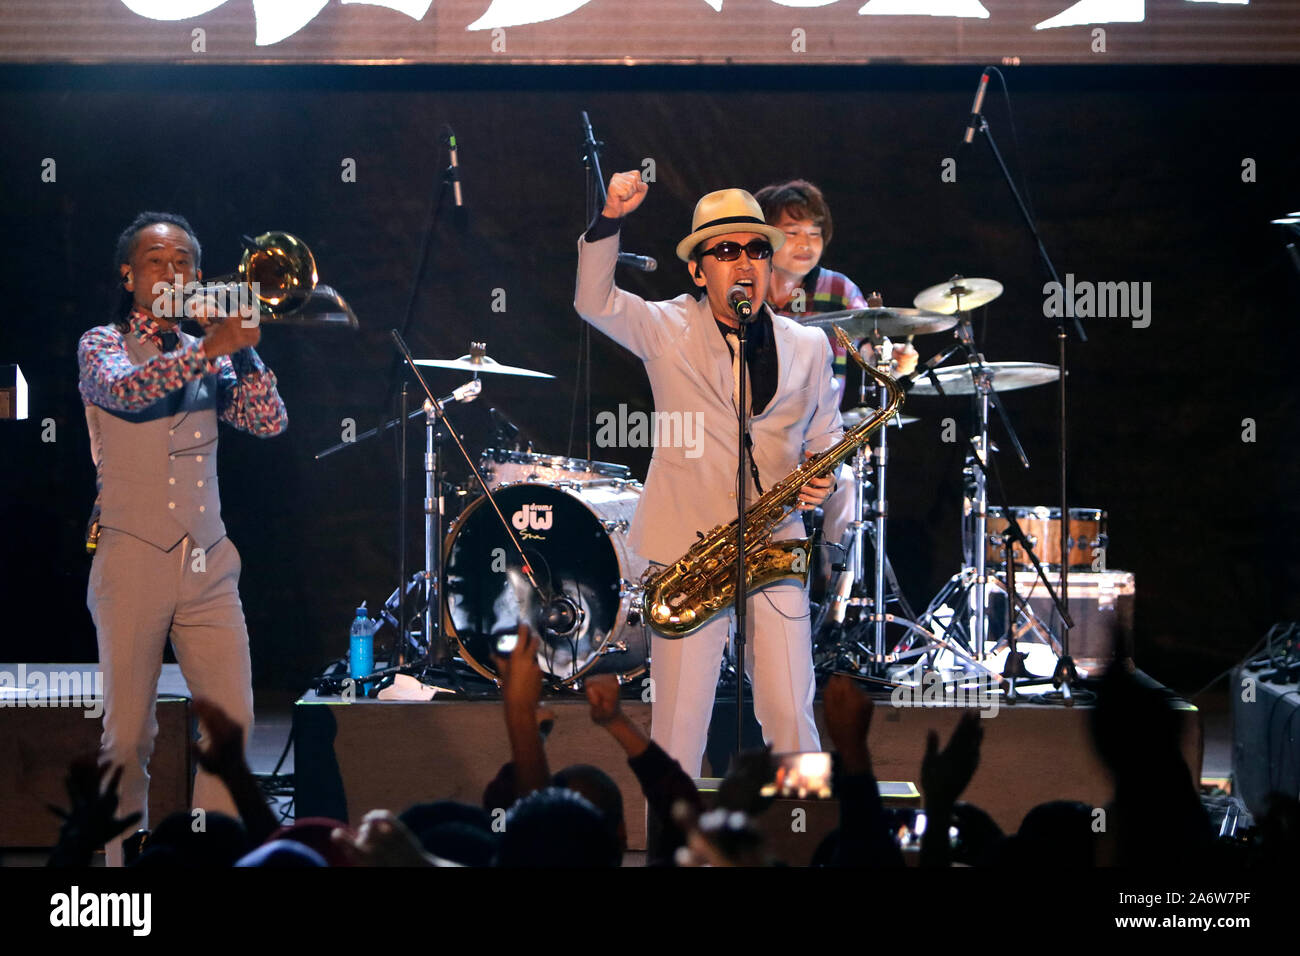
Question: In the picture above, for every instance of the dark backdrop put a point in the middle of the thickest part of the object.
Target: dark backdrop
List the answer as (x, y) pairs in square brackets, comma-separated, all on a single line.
[(1135, 174)]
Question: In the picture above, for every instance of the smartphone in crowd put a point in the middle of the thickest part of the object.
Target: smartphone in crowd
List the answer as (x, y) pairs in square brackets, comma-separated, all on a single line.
[(800, 776)]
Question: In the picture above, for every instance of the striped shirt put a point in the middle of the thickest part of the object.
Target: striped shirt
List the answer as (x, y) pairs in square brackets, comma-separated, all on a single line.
[(824, 290)]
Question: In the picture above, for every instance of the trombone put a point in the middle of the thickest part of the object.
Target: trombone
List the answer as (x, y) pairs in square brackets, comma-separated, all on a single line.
[(280, 273)]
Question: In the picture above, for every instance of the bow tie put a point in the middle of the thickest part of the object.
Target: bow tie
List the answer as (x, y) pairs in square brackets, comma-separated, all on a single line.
[(168, 341)]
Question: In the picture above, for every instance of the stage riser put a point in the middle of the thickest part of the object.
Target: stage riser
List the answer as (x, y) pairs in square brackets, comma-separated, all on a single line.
[(38, 743), (351, 758)]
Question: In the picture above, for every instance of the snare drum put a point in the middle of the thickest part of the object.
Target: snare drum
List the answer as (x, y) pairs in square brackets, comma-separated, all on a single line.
[(575, 539), (501, 467), (1042, 526)]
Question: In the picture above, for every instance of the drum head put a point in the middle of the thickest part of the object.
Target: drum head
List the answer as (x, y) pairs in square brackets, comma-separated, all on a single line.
[(571, 557)]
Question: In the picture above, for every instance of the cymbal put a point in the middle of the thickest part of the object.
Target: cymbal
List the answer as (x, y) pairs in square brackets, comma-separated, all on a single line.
[(856, 416), (944, 296), (1007, 377), (860, 323), (481, 363)]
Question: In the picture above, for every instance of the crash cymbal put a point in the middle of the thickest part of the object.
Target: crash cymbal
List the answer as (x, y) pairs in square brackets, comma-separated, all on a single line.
[(969, 293), (481, 363), (1007, 377), (856, 416), (861, 323)]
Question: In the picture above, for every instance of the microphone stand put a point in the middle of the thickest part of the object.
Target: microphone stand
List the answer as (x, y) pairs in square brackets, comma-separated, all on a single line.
[(1065, 675), (742, 483)]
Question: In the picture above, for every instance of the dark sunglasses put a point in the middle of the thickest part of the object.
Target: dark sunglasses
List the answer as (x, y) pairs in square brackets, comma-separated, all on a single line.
[(729, 251)]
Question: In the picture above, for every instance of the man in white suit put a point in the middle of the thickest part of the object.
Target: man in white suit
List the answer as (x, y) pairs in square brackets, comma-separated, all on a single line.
[(690, 358)]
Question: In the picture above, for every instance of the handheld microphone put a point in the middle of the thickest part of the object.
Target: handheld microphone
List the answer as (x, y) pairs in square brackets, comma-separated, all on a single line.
[(976, 108), (738, 299), (644, 263)]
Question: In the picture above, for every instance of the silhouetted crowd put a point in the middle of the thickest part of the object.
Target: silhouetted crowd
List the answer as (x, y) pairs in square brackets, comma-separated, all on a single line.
[(575, 817)]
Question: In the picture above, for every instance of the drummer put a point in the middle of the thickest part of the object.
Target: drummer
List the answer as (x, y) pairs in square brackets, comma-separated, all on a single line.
[(801, 286)]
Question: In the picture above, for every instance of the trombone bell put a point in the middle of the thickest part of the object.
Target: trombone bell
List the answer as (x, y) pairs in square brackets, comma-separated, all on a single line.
[(281, 272)]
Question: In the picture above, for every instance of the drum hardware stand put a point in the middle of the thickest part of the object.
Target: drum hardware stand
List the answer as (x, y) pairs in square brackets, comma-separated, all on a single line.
[(848, 587), (405, 646), (880, 656), (1018, 608), (434, 411), (977, 585), (1064, 676)]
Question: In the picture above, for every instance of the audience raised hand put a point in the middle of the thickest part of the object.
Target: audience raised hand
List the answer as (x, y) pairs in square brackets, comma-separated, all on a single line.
[(662, 779), (221, 754), (944, 776), (521, 692), (863, 838), (90, 820)]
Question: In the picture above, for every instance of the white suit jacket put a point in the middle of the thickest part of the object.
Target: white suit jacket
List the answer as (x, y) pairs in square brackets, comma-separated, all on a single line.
[(689, 366)]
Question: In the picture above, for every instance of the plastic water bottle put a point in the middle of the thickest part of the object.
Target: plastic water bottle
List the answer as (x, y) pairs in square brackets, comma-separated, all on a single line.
[(361, 653)]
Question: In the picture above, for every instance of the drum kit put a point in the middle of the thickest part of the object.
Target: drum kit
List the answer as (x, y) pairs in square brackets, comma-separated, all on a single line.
[(563, 520), (865, 625)]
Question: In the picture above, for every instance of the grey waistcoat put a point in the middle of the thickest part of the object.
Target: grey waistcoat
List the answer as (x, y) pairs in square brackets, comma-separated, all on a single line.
[(158, 466)]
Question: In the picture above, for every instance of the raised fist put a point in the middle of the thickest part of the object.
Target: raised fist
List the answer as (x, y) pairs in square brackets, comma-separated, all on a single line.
[(626, 192)]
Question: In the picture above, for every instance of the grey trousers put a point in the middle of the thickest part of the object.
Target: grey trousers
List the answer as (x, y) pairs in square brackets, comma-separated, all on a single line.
[(140, 595)]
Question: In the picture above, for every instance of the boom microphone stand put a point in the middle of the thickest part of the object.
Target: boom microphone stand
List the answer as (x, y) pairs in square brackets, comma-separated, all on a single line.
[(1064, 675)]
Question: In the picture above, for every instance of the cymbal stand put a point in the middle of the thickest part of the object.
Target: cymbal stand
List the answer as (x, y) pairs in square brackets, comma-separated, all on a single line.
[(970, 587), (871, 517)]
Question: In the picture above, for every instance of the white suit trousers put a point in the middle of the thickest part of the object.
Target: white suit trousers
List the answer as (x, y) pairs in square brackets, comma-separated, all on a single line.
[(778, 660)]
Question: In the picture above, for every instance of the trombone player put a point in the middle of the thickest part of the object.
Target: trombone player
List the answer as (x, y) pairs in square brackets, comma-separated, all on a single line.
[(163, 565)]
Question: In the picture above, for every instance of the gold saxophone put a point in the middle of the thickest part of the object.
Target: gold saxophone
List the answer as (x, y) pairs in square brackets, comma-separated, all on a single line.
[(682, 598)]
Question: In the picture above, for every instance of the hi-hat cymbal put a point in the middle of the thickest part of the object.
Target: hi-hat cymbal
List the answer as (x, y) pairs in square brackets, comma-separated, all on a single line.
[(1007, 377), (856, 416), (481, 363), (968, 293), (861, 323)]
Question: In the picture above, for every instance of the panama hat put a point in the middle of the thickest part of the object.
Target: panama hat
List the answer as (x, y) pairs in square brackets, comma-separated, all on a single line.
[(724, 211)]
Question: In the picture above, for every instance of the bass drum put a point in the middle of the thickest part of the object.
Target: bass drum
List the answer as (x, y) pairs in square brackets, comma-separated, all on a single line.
[(574, 536)]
